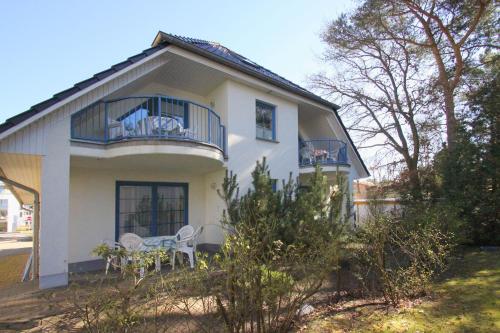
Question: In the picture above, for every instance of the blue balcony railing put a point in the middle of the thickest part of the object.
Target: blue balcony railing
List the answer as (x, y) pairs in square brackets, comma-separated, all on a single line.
[(148, 117), (323, 152)]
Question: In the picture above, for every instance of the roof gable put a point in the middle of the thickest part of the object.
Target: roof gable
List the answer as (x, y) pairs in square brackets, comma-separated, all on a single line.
[(60, 96), (211, 50), (228, 57)]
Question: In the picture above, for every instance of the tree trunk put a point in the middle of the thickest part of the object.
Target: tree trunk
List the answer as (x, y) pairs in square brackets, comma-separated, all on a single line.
[(413, 176), (451, 120), (414, 180)]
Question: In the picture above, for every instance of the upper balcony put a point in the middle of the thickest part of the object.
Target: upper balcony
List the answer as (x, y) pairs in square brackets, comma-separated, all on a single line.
[(150, 119), (329, 153)]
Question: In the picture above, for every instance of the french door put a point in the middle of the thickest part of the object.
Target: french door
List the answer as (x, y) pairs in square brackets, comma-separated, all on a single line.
[(150, 209)]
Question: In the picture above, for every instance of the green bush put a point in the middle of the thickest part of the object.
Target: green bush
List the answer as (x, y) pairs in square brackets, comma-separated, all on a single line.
[(401, 255), (281, 247)]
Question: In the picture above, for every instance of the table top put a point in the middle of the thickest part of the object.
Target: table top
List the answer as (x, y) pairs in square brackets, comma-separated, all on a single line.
[(160, 241)]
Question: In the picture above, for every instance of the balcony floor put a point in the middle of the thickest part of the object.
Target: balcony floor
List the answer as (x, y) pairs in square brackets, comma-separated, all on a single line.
[(148, 154)]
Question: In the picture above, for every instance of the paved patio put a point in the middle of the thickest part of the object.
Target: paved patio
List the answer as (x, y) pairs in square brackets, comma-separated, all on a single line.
[(12, 243)]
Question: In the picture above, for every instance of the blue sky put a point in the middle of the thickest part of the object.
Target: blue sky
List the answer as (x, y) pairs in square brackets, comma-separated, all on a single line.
[(47, 46)]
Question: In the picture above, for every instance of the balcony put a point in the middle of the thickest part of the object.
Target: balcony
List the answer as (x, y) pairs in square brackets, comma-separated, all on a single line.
[(325, 152), (149, 118)]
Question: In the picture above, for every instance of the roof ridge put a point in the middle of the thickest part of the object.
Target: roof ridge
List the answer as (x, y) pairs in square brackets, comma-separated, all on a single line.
[(192, 39), (243, 59)]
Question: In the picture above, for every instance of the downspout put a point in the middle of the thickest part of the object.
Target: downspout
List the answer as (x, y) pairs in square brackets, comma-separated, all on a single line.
[(36, 219)]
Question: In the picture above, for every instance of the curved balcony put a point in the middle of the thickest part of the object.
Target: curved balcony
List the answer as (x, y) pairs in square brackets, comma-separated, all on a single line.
[(325, 152), (148, 118)]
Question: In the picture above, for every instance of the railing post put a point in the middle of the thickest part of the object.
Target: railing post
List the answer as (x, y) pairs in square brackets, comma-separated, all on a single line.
[(221, 136), (209, 126), (159, 116), (224, 140), (330, 151), (106, 127)]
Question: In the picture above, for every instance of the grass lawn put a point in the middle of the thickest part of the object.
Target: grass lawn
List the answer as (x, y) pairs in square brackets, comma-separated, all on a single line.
[(467, 300), (11, 269)]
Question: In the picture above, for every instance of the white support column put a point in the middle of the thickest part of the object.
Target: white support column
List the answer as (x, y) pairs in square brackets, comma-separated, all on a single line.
[(55, 207)]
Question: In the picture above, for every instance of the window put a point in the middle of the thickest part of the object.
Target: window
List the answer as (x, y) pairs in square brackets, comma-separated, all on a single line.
[(4, 204), (265, 121), (151, 209)]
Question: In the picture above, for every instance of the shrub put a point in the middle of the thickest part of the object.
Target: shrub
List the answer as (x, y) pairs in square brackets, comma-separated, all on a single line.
[(401, 254), (282, 246)]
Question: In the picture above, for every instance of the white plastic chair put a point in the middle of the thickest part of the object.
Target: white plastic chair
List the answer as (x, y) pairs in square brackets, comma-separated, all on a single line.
[(182, 239), (132, 243), (114, 246), (196, 238)]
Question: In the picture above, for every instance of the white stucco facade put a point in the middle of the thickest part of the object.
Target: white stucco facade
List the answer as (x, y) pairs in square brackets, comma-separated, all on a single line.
[(77, 181), (12, 210)]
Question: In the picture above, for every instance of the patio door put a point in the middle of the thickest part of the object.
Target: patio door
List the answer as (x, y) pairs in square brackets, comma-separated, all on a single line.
[(150, 209)]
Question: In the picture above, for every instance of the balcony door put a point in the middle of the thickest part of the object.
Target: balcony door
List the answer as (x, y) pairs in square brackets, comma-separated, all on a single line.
[(150, 209)]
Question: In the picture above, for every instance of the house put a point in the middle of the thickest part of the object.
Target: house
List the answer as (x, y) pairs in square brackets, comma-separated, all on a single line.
[(10, 210), (143, 146), (370, 197)]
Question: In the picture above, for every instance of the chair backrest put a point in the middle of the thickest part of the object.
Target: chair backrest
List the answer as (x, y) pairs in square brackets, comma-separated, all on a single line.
[(131, 242), (184, 235), (196, 236), (111, 244), (310, 146), (305, 152)]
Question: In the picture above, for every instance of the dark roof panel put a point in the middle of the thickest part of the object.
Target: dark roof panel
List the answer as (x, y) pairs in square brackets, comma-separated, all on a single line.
[(121, 65), (232, 56), (105, 74), (66, 93)]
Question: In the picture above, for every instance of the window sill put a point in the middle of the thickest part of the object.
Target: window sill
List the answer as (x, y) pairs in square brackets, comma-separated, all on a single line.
[(267, 140)]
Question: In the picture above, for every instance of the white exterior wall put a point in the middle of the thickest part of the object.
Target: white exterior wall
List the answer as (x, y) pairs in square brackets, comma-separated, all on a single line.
[(54, 210), (364, 210), (213, 232), (13, 210), (92, 205), (243, 147), (156, 88)]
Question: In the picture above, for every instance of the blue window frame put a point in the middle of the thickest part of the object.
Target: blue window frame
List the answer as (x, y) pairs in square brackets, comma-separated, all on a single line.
[(150, 208), (265, 117)]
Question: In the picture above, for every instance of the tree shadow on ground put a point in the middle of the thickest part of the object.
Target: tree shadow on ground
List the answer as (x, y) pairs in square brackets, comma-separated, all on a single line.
[(466, 299)]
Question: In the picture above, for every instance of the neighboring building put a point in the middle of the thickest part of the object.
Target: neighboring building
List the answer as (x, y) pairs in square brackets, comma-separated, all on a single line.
[(143, 146), (367, 197), (10, 211)]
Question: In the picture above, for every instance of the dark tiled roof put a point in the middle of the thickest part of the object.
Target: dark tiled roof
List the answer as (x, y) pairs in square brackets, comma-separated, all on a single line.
[(13, 121)]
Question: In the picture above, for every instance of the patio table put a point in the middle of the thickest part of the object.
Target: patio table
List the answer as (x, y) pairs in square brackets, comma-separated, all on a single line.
[(165, 242), (158, 242)]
